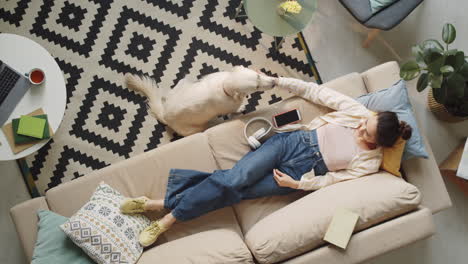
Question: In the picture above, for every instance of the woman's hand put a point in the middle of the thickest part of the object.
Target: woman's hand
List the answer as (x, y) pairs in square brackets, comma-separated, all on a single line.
[(285, 180), (276, 79)]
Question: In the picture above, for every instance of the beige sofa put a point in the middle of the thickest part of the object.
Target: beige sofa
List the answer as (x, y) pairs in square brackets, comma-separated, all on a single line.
[(243, 233)]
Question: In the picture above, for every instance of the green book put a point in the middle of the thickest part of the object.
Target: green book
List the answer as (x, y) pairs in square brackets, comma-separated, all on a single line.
[(20, 139), (31, 126)]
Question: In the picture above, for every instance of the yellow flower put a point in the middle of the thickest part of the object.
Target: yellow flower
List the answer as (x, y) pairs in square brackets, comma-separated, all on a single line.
[(291, 7)]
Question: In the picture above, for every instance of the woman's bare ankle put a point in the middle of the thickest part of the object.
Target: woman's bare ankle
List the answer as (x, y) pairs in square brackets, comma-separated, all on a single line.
[(168, 220), (154, 205)]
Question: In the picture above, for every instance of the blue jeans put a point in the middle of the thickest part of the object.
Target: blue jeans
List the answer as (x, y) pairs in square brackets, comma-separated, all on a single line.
[(193, 193)]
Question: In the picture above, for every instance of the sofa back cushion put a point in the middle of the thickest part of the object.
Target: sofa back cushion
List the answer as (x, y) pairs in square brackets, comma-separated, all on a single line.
[(227, 140), (145, 174), (300, 226), (381, 76)]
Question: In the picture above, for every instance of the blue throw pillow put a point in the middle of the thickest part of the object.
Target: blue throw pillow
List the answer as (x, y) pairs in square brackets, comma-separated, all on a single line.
[(52, 245), (396, 99)]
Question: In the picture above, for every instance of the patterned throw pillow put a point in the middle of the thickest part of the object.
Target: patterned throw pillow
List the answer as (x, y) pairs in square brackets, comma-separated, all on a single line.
[(105, 234)]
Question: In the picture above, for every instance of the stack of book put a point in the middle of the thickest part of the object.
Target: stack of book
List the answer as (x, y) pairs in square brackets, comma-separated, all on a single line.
[(27, 130), (30, 129)]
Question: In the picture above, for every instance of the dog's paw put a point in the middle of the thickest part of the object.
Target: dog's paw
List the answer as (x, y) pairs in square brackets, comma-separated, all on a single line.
[(240, 110)]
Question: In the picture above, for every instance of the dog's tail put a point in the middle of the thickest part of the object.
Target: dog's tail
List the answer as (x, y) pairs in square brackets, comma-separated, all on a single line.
[(148, 87)]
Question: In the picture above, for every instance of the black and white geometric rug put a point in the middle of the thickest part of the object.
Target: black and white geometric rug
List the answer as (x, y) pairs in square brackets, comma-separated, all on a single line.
[(95, 42)]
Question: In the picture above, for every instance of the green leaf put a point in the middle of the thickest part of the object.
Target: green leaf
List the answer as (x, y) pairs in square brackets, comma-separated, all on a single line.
[(423, 81), (432, 44), (434, 61), (417, 53), (430, 55), (464, 70), (464, 108), (456, 82), (436, 80), (451, 52), (449, 33), (459, 60), (456, 61), (409, 70), (440, 95), (446, 69)]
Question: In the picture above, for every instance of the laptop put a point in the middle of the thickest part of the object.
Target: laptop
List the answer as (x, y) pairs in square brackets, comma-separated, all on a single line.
[(13, 85)]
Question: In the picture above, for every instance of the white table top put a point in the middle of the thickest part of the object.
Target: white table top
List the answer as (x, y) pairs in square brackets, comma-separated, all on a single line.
[(23, 55)]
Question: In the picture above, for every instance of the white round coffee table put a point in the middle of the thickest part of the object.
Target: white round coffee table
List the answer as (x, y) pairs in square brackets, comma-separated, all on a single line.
[(23, 55)]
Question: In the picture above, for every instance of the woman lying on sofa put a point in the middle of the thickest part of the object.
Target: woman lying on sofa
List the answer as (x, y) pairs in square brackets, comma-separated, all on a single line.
[(341, 145)]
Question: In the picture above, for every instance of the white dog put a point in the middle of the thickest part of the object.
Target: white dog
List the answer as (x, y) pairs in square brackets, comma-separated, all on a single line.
[(189, 107)]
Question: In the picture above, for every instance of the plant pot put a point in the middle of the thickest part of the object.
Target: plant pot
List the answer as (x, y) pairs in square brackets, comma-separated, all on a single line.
[(440, 111)]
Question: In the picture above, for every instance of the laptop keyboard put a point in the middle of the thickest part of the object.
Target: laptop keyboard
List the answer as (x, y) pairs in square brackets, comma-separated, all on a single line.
[(8, 79)]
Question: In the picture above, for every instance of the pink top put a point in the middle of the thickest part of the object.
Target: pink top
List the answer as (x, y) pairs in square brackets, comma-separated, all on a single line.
[(337, 145)]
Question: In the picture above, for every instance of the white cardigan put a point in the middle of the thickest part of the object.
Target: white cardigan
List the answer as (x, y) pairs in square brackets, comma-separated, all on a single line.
[(348, 113)]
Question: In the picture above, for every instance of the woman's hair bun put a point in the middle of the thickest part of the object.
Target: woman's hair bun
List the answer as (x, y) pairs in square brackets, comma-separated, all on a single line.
[(405, 130)]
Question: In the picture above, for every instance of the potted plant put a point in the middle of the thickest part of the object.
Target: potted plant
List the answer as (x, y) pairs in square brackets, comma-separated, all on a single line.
[(445, 71)]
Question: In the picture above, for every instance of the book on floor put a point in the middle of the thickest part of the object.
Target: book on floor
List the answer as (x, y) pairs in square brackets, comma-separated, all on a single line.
[(21, 139), (341, 227)]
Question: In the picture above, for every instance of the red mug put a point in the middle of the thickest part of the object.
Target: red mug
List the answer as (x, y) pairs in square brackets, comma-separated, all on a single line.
[(36, 76)]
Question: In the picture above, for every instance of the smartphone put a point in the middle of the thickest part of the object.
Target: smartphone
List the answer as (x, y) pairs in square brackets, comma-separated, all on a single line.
[(286, 118)]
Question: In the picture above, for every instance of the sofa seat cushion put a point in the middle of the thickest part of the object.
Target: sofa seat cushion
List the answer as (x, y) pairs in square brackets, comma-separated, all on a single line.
[(212, 238), (145, 174), (228, 144), (375, 198)]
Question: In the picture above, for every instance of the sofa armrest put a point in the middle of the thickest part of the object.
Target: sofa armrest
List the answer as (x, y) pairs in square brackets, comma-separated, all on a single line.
[(381, 76), (350, 84), (425, 174), (25, 218), (375, 241)]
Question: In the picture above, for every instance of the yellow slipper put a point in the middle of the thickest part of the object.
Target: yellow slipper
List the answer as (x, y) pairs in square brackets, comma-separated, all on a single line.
[(133, 205), (150, 234)]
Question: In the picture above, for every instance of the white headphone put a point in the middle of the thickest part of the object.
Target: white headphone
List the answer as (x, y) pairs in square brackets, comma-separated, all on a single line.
[(254, 140)]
